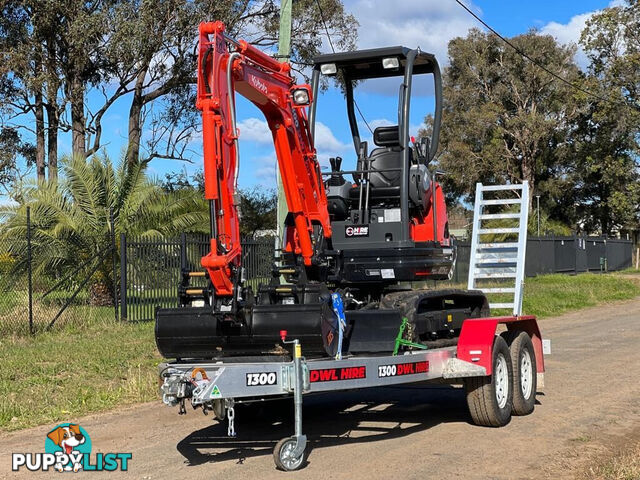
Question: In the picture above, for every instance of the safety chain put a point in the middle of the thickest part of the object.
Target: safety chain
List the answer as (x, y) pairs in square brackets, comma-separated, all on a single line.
[(231, 414)]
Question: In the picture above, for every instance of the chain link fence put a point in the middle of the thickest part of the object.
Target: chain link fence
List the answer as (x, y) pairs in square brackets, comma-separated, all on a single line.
[(34, 297)]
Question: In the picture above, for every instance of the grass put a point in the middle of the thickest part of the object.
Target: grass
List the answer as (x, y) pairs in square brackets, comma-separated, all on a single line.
[(630, 271), (622, 466), (75, 370), (552, 295), (97, 364)]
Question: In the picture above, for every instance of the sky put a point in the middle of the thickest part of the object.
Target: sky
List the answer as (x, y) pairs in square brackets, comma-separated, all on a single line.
[(428, 24)]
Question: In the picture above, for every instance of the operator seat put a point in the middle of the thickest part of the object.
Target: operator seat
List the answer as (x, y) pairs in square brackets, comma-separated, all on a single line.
[(385, 186), (387, 155)]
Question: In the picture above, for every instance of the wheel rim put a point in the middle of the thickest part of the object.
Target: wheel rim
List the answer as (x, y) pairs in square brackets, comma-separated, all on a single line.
[(286, 456), (501, 375), (526, 374)]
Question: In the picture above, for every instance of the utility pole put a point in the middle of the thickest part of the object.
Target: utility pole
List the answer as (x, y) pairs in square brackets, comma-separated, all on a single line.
[(538, 199), (284, 52)]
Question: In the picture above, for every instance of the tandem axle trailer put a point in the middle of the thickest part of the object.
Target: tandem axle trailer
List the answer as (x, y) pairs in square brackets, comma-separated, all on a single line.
[(501, 373)]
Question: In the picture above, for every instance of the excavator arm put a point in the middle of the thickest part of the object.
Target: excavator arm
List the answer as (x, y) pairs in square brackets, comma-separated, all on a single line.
[(227, 66)]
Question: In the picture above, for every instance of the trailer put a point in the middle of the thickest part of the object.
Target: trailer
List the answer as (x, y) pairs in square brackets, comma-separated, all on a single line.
[(501, 372)]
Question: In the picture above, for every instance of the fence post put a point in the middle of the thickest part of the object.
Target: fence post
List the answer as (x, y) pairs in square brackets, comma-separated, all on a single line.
[(29, 270), (183, 253), (113, 264), (123, 277)]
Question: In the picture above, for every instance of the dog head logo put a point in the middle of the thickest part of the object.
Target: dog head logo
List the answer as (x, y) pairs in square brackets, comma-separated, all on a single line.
[(69, 442)]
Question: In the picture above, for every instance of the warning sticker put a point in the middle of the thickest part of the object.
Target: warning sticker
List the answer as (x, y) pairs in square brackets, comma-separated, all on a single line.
[(399, 369), (387, 273), (337, 374)]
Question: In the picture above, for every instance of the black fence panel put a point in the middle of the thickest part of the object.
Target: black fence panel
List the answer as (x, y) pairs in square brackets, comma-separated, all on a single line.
[(596, 253), (540, 256), (463, 256), (564, 254), (581, 255), (619, 254)]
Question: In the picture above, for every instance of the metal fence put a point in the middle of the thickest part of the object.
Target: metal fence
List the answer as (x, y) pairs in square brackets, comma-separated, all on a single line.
[(150, 270), (38, 291), (562, 255)]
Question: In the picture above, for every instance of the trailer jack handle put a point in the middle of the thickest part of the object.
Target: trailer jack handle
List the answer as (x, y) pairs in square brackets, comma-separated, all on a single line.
[(400, 341)]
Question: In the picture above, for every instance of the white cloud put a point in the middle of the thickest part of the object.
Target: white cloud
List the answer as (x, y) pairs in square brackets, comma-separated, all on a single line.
[(7, 202), (569, 33), (411, 23), (257, 130), (265, 169), (254, 129), (326, 141)]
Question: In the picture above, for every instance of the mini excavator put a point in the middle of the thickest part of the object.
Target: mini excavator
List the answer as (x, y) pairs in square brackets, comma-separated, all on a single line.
[(354, 242)]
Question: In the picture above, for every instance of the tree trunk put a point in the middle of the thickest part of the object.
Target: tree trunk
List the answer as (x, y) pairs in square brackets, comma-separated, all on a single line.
[(135, 119), (77, 118), (53, 119), (40, 146), (52, 136)]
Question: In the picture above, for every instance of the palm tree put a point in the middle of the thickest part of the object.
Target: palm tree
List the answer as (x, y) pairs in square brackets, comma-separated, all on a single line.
[(70, 220)]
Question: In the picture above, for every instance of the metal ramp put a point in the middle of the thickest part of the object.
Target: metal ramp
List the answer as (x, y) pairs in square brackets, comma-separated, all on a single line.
[(499, 242)]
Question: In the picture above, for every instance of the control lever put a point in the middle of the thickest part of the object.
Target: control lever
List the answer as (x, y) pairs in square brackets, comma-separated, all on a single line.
[(362, 157), (421, 148)]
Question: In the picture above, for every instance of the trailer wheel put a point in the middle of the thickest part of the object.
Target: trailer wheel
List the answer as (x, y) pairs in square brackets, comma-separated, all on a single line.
[(283, 455), (490, 398), (523, 361)]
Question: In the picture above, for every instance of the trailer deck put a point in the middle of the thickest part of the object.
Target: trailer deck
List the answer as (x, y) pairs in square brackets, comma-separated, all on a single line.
[(479, 360)]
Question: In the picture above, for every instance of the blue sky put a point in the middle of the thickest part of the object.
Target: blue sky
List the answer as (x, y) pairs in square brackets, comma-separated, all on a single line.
[(429, 24)]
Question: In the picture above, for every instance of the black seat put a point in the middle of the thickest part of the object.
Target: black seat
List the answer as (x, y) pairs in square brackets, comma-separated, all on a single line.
[(388, 155)]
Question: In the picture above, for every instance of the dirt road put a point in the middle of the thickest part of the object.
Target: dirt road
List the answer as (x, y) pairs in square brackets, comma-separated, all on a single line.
[(591, 404)]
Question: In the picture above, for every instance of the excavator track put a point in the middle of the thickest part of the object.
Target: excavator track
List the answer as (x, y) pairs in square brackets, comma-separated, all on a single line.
[(436, 316)]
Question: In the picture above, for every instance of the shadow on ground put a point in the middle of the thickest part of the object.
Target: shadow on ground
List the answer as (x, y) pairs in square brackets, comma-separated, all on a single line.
[(329, 419)]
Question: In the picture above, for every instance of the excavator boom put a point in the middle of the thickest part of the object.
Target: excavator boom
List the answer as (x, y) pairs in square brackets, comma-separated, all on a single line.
[(227, 66)]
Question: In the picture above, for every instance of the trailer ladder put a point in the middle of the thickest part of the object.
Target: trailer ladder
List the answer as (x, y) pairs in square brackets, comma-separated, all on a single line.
[(498, 250)]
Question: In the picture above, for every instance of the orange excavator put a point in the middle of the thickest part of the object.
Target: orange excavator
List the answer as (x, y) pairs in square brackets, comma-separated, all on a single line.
[(355, 242)]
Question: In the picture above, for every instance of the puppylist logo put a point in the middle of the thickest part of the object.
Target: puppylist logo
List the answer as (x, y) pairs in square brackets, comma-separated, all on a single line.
[(68, 449)]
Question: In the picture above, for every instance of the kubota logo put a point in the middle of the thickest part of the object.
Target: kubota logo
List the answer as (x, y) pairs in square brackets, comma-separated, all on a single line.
[(257, 83)]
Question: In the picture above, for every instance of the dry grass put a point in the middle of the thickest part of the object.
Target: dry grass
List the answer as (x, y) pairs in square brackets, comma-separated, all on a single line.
[(622, 466)]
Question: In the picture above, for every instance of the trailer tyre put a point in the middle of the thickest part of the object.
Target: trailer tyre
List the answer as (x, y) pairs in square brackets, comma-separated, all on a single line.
[(523, 362), (283, 455), (490, 398)]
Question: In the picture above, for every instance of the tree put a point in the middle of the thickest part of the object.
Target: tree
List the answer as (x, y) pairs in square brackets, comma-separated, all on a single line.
[(11, 147), (505, 119), (55, 53), (162, 66), (257, 204), (22, 76), (257, 210), (607, 172), (70, 220)]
